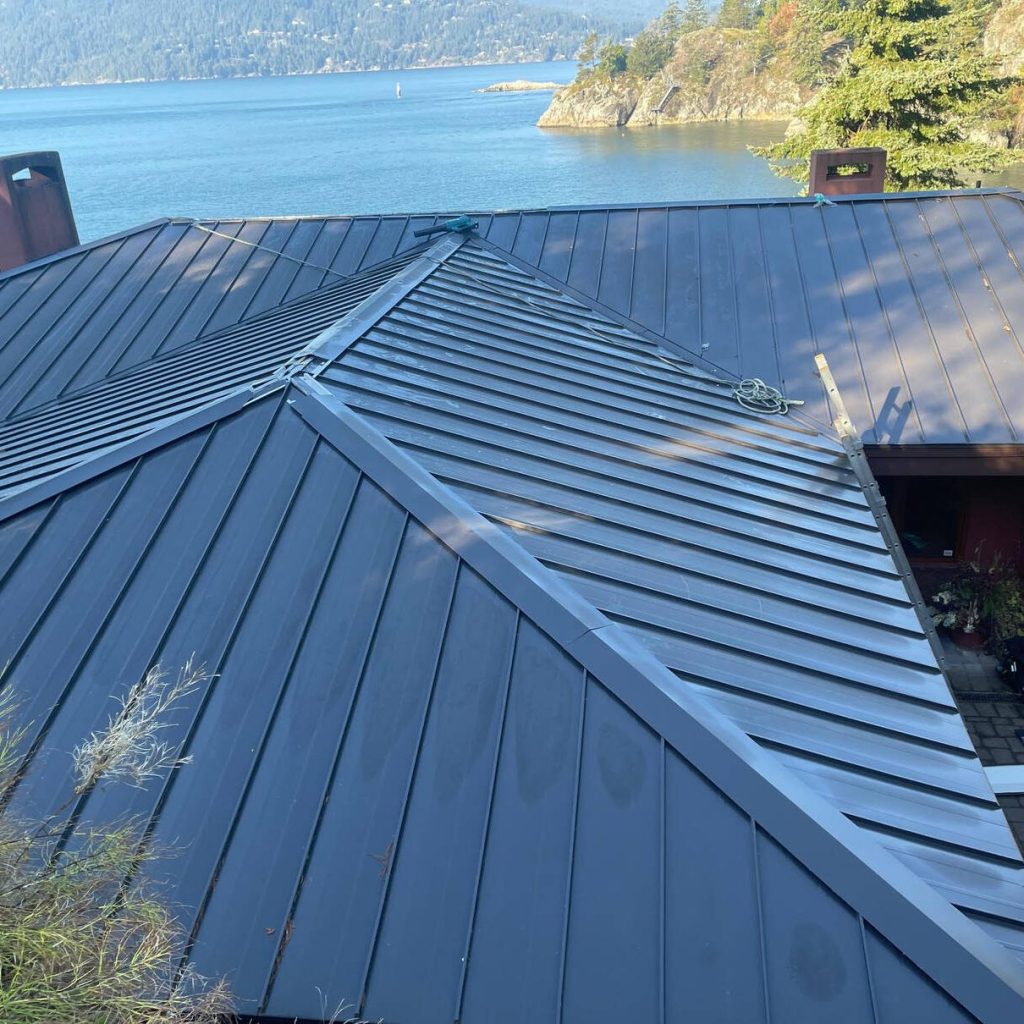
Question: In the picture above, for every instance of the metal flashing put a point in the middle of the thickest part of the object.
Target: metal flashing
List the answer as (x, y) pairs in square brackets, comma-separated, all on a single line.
[(332, 343), (742, 551), (1006, 779), (382, 652)]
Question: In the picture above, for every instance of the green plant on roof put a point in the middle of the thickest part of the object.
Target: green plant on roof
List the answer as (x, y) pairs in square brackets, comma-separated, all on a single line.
[(83, 938), (913, 82)]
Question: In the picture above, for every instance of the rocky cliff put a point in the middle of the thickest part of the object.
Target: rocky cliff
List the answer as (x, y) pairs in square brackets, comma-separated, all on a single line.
[(1004, 36), (714, 75)]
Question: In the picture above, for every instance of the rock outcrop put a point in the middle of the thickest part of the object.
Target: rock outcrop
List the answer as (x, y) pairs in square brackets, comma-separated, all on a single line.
[(1004, 36), (523, 85), (598, 103), (714, 75)]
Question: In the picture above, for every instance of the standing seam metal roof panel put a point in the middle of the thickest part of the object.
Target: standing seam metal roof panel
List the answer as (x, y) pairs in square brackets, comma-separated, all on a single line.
[(74, 319), (914, 298), (462, 691), (739, 549), (62, 434)]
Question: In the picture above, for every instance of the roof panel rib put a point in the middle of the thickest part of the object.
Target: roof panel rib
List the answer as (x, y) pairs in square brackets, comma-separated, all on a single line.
[(485, 568), (913, 298)]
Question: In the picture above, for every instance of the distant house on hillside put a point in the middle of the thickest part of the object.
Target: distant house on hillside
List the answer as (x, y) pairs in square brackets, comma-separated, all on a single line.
[(550, 682)]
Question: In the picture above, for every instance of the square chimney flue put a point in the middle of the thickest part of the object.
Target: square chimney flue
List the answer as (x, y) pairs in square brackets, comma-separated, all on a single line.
[(36, 219), (847, 172)]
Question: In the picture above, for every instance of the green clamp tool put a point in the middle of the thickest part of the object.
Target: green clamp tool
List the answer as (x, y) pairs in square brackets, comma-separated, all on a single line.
[(462, 223)]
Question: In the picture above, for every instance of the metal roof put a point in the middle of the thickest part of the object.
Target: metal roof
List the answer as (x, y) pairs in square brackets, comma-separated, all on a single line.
[(430, 779), (914, 298), (917, 300), (62, 433), (75, 318), (501, 596), (740, 550)]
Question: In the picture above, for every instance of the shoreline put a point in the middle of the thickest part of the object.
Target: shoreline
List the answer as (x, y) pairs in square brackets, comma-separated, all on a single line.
[(288, 74)]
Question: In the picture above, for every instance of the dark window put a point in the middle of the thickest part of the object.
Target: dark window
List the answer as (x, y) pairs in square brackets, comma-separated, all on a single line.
[(928, 513)]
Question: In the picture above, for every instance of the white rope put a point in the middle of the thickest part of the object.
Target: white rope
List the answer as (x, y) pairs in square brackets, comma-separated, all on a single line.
[(266, 248), (756, 396)]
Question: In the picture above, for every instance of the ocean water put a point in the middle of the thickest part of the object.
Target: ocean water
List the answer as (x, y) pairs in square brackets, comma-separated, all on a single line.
[(345, 144)]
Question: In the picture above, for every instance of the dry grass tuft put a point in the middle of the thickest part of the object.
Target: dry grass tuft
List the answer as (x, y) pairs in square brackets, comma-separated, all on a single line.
[(78, 945)]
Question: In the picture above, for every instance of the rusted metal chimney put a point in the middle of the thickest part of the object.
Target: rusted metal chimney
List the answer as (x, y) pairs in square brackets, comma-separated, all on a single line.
[(847, 172), (35, 211)]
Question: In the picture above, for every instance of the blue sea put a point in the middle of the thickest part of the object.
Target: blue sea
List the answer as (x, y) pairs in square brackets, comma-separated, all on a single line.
[(345, 144)]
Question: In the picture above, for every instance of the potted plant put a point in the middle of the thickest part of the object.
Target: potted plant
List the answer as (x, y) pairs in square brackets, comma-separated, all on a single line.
[(982, 603), (957, 608), (1006, 614)]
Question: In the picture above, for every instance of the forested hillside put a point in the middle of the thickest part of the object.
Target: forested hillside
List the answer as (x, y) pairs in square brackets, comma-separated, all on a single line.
[(45, 42)]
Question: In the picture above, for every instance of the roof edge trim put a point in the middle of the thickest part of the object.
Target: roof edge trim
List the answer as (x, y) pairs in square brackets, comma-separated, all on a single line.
[(160, 433), (666, 204), (953, 951), (61, 254), (354, 324), (986, 459), (861, 467), (682, 204)]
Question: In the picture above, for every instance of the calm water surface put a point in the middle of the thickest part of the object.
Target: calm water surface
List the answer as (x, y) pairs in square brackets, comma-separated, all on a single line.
[(345, 144)]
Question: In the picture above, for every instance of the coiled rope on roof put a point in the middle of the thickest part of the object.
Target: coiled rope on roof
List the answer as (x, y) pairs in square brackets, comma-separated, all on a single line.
[(756, 396)]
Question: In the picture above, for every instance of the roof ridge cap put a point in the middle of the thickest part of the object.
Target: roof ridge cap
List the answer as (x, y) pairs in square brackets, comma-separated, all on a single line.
[(343, 333)]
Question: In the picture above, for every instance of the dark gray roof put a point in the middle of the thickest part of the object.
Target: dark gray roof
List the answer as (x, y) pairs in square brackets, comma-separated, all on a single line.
[(71, 320), (740, 550), (430, 779), (914, 298), (502, 597), (62, 433), (917, 300)]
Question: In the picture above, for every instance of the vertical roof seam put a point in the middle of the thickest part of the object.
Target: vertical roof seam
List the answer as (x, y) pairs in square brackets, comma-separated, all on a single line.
[(995, 395), (894, 341), (359, 675), (862, 379), (208, 241), (410, 784), (486, 828), (923, 313), (256, 762)]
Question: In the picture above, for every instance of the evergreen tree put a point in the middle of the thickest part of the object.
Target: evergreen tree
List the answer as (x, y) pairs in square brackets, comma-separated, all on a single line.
[(649, 53), (737, 14), (807, 43), (694, 17), (587, 57), (915, 71), (670, 24), (611, 59)]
